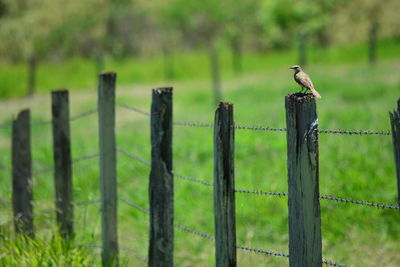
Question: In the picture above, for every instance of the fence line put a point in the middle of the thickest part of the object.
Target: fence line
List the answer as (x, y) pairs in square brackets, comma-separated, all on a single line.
[(260, 192), (207, 236), (257, 128), (48, 122)]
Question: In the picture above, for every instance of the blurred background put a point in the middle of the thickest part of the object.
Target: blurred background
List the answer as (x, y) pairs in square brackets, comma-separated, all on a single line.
[(234, 50), (51, 43)]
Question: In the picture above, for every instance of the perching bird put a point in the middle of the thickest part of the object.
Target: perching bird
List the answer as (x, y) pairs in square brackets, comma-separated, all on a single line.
[(305, 82)]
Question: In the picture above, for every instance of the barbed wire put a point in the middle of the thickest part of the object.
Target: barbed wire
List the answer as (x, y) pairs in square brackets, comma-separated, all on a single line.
[(360, 202), (207, 236), (263, 251), (188, 178), (137, 158), (129, 203), (48, 122), (259, 192), (356, 132), (193, 124), (83, 114), (137, 110), (258, 128)]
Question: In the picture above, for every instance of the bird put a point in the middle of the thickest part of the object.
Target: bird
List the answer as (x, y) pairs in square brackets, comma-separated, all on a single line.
[(304, 80)]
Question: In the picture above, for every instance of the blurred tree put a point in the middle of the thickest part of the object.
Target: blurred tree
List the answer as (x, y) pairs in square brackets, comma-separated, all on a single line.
[(22, 32), (241, 20), (201, 22), (285, 21)]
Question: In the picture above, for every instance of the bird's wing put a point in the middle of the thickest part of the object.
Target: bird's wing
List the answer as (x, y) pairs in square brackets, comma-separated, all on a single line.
[(303, 79)]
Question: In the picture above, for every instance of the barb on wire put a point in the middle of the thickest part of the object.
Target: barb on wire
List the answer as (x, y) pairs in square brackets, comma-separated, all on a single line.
[(193, 124), (326, 262), (371, 204), (263, 251), (137, 110), (338, 199), (184, 228), (87, 202), (184, 177), (356, 132), (83, 114), (259, 128), (260, 192)]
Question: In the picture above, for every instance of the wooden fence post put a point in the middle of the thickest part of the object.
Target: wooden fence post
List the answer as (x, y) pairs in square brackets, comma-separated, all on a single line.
[(22, 174), (395, 122), (108, 174), (62, 163), (224, 186), (305, 244), (161, 184)]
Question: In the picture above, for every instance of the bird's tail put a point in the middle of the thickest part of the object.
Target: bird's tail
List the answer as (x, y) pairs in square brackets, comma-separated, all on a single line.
[(315, 93)]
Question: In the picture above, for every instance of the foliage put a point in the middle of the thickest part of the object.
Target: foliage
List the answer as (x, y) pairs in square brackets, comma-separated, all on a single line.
[(23, 251)]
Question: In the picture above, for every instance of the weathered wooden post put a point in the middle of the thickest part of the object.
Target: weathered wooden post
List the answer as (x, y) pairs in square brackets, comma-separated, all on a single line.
[(161, 185), (395, 122), (108, 174), (62, 163), (224, 186), (22, 174), (305, 244)]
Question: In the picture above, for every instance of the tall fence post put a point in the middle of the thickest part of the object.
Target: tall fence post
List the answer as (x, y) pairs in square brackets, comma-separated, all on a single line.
[(161, 185), (395, 122), (62, 162), (305, 244), (22, 174), (224, 186), (108, 175)]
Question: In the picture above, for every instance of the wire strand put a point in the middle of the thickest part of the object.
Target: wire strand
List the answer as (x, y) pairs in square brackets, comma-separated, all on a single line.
[(137, 110)]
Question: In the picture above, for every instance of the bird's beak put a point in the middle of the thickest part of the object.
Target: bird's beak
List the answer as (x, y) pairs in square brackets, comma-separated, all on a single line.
[(290, 67)]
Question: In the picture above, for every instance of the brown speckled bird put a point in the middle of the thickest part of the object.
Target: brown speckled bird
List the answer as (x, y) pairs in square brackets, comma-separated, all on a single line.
[(305, 82)]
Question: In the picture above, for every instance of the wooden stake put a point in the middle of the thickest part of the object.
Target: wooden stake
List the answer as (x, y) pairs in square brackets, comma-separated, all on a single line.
[(224, 186), (305, 244)]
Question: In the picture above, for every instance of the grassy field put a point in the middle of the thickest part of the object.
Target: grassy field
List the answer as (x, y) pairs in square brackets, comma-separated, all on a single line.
[(80, 74), (355, 96)]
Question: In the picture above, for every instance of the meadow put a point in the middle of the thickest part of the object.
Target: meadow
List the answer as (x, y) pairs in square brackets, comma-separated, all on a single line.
[(355, 96)]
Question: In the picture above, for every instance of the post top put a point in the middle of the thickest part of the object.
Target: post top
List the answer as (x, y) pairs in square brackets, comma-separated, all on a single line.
[(108, 74), (300, 97), (161, 90), (22, 113), (60, 91), (225, 105)]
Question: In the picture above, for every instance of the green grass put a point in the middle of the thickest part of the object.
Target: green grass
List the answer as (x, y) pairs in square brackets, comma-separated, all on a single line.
[(354, 97), (78, 74)]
